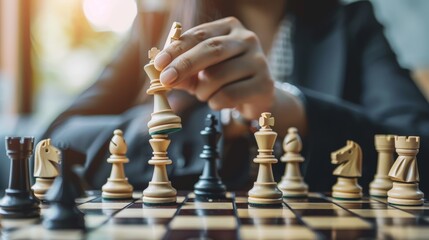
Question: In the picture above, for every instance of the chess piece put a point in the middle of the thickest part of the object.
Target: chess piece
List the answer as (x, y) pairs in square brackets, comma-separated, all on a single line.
[(292, 183), (349, 159), (385, 146), (405, 174), (265, 191), (46, 160), (117, 186), (19, 201), (210, 185), (163, 119), (174, 33), (63, 213), (159, 191)]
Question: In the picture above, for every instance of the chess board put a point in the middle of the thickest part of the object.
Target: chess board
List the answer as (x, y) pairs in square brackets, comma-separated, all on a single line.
[(315, 217)]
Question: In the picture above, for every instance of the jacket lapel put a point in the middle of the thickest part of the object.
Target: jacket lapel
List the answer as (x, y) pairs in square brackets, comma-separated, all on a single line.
[(320, 55)]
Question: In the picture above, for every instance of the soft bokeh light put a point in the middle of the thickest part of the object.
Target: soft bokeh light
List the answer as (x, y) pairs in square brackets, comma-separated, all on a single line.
[(110, 15)]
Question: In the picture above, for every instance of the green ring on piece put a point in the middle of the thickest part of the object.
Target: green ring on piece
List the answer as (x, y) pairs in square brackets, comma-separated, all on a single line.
[(414, 205), (277, 205), (347, 199), (166, 131)]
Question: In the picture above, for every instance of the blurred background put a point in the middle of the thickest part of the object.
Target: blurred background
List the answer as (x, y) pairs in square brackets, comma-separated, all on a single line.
[(51, 50)]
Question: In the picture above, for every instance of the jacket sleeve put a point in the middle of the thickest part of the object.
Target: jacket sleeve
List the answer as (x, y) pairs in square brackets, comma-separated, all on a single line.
[(388, 103)]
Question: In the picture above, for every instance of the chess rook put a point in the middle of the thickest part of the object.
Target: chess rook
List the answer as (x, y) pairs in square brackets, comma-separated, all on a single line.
[(46, 160), (385, 146), (117, 185), (210, 185), (159, 191), (405, 174), (349, 161), (63, 212), (292, 183), (19, 201), (265, 191)]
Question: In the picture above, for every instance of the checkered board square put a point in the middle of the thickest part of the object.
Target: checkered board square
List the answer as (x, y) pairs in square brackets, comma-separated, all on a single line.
[(316, 217)]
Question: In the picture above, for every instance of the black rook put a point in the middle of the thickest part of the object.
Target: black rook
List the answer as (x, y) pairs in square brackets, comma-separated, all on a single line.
[(19, 201)]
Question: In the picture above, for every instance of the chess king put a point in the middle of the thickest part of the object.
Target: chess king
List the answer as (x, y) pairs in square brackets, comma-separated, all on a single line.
[(163, 121), (265, 191)]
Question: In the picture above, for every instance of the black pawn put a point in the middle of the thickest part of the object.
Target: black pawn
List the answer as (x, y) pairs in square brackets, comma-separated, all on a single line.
[(63, 212), (19, 201), (210, 185)]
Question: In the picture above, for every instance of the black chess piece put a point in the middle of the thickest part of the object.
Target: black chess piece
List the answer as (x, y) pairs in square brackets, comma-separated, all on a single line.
[(210, 185), (19, 201), (63, 212)]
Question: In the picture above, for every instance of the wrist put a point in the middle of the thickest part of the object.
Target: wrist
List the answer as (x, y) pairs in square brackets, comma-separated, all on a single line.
[(289, 108)]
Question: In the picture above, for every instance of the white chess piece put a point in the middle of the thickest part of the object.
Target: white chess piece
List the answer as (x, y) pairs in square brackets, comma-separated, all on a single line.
[(46, 160), (117, 186), (349, 161), (405, 174), (292, 183), (265, 191)]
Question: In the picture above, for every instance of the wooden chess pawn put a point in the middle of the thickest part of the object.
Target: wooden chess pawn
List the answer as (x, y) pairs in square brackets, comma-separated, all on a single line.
[(159, 191), (292, 183), (117, 186), (405, 174), (265, 191), (46, 160), (349, 159), (385, 146)]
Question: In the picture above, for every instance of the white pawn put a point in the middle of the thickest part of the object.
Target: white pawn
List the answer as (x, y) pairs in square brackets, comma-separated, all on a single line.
[(265, 191), (117, 186), (292, 183), (405, 174)]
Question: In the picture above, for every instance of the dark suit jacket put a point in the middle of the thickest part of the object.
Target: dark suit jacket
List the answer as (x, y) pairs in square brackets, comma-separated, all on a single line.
[(353, 85)]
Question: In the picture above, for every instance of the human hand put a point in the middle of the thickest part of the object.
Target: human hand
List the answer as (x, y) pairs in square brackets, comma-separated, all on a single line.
[(221, 63)]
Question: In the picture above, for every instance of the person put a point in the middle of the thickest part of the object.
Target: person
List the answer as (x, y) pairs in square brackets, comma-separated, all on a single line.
[(322, 66)]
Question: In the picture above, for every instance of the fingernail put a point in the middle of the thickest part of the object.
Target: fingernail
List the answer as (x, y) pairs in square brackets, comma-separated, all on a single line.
[(168, 76), (162, 60)]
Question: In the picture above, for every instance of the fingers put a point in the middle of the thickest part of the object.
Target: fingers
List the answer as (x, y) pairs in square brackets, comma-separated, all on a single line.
[(205, 54), (246, 92), (215, 77), (192, 37)]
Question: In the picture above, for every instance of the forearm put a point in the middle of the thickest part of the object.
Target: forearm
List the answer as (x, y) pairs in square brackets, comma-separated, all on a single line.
[(289, 111)]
